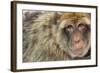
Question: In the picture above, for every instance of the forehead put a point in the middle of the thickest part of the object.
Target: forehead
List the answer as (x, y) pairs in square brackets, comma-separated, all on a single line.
[(84, 20), (74, 15), (75, 18)]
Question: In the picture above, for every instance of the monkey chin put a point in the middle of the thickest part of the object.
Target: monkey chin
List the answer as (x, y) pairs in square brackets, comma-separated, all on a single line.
[(80, 51)]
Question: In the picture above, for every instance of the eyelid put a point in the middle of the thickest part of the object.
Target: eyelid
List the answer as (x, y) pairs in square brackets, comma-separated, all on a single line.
[(81, 25), (69, 26)]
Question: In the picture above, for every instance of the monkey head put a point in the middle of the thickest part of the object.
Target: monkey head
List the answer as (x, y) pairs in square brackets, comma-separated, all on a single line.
[(73, 34)]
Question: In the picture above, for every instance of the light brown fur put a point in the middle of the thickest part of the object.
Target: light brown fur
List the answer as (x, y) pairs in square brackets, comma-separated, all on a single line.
[(45, 40)]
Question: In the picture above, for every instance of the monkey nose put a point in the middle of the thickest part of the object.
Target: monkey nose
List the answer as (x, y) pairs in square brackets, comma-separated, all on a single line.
[(77, 45), (76, 39)]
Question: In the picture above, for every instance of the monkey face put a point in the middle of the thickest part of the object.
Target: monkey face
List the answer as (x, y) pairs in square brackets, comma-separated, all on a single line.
[(77, 32)]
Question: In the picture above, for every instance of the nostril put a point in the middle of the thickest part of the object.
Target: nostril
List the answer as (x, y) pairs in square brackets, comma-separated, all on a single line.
[(76, 41)]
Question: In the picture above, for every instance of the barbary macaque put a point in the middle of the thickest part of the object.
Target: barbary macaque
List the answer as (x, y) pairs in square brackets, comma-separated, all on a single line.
[(55, 36)]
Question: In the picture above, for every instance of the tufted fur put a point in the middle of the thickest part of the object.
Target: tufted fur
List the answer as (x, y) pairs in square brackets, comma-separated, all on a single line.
[(43, 40)]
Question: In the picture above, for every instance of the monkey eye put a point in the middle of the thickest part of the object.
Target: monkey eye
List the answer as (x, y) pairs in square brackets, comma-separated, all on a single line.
[(81, 26), (69, 28)]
